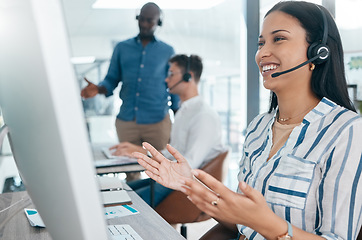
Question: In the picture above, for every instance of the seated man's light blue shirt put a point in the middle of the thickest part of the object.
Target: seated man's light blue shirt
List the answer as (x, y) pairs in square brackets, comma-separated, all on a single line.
[(142, 71)]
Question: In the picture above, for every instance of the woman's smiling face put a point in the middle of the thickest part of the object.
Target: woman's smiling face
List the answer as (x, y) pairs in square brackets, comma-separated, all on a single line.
[(282, 45)]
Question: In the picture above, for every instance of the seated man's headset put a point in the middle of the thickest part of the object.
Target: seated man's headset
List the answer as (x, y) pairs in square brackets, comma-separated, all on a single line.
[(318, 52), (186, 77)]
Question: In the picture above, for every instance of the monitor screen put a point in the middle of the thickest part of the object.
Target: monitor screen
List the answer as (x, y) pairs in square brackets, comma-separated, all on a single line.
[(41, 105)]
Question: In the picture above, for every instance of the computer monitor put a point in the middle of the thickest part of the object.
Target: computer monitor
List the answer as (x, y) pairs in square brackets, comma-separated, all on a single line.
[(41, 105)]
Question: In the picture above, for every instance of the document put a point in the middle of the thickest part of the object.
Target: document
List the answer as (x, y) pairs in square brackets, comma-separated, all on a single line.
[(119, 211), (110, 183), (34, 217), (112, 191)]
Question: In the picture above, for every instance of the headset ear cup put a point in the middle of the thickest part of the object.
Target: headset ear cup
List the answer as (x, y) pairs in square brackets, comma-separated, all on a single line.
[(314, 49), (186, 77)]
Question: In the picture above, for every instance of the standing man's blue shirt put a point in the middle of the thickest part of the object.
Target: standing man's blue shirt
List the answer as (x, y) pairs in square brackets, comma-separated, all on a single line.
[(142, 71)]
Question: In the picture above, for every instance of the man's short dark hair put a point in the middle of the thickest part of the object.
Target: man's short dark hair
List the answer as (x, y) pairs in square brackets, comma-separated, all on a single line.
[(193, 62)]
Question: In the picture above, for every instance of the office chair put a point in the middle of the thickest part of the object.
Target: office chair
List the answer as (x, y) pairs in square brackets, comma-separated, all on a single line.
[(176, 208)]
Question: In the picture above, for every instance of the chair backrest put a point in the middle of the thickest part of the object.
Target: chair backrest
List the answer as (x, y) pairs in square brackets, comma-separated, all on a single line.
[(176, 208)]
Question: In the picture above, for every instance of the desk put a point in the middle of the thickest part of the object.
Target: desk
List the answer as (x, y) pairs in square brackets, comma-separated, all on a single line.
[(98, 155), (148, 224)]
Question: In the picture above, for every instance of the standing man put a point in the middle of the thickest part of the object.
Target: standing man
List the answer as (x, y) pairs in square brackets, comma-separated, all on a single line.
[(141, 64)]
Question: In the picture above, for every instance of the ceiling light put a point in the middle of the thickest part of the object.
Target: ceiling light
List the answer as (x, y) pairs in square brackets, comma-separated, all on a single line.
[(163, 4), (83, 60)]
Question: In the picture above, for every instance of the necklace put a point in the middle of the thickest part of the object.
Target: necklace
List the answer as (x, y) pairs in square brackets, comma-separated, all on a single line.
[(288, 118), (283, 119)]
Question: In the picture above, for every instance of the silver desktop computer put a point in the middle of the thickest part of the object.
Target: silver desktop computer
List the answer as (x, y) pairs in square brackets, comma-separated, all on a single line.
[(41, 105)]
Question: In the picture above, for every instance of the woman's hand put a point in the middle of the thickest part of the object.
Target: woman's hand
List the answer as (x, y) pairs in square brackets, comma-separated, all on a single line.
[(248, 208), (170, 174)]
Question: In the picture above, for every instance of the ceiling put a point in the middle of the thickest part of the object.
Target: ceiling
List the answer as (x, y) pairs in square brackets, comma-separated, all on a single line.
[(82, 20), (214, 33)]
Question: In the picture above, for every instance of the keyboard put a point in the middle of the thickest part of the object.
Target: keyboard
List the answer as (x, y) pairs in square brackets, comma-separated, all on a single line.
[(122, 232), (108, 153)]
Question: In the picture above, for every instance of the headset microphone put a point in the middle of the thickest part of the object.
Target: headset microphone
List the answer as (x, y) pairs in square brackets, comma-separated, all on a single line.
[(323, 51), (176, 84)]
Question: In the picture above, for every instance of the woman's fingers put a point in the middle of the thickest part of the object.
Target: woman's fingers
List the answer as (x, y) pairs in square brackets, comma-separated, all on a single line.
[(206, 192), (250, 192), (210, 182), (178, 156), (156, 155), (201, 189), (203, 198), (154, 176), (146, 162)]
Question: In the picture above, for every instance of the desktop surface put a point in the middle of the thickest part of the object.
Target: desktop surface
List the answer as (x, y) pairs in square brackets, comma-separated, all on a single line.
[(148, 224)]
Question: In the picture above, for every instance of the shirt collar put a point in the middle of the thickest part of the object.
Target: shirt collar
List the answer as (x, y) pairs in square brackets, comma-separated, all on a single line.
[(154, 39), (191, 101), (323, 107)]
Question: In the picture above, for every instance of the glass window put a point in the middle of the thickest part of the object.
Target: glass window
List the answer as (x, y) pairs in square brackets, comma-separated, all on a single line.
[(212, 33)]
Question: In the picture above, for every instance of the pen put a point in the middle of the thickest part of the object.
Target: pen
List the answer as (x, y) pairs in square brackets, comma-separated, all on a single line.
[(203, 184)]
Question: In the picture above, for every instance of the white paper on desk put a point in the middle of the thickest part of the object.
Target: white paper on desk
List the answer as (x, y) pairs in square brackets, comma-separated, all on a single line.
[(118, 197), (123, 232), (110, 183), (34, 217), (119, 211)]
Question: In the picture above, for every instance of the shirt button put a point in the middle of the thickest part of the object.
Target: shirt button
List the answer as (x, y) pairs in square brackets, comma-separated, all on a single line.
[(142, 66), (140, 79), (144, 52), (137, 94), (136, 108)]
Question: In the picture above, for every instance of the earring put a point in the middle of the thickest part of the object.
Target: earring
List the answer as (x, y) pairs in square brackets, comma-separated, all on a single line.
[(312, 67)]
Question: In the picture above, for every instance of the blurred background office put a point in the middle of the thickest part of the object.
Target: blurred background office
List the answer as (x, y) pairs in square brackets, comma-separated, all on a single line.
[(217, 30), (213, 29), (223, 32)]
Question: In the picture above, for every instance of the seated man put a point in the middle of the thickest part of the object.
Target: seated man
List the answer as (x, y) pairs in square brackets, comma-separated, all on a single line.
[(196, 131)]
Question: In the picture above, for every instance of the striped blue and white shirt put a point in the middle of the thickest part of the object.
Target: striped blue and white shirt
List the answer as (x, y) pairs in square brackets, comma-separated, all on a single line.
[(314, 180)]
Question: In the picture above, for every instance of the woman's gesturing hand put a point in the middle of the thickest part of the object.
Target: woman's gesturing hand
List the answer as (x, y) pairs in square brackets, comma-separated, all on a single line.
[(170, 174), (248, 208)]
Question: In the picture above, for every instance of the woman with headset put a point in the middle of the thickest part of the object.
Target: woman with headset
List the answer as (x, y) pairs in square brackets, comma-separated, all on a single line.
[(300, 174)]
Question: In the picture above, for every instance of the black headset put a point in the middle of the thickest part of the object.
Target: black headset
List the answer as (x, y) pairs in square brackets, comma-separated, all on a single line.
[(320, 47), (187, 76), (159, 22)]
